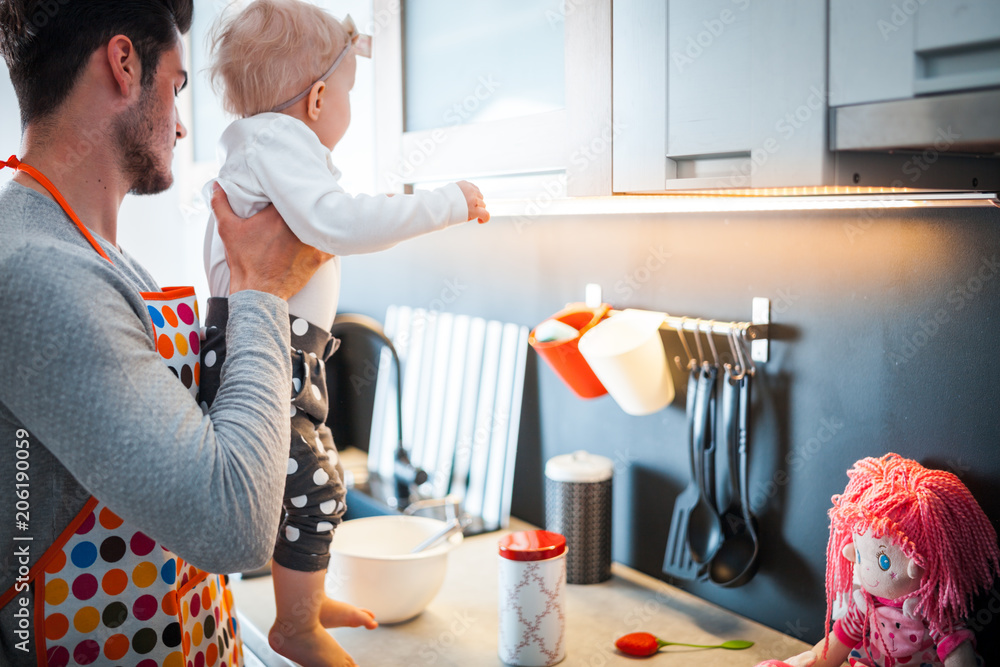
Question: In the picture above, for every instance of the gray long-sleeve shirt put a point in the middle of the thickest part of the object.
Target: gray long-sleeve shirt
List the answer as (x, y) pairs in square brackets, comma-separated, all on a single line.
[(79, 371)]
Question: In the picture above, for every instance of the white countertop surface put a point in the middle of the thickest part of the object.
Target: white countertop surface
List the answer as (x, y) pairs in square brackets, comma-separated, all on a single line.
[(459, 627)]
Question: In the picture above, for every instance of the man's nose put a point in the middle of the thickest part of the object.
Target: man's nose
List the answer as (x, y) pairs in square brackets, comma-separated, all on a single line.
[(181, 130)]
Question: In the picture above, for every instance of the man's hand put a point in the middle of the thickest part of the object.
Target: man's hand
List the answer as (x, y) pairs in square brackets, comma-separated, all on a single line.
[(474, 198), (262, 252)]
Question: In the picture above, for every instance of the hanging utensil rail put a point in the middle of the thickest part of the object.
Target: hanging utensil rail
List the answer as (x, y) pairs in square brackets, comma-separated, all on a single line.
[(756, 332)]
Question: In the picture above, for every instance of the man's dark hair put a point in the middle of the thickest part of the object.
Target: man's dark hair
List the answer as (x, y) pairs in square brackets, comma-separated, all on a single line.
[(47, 43)]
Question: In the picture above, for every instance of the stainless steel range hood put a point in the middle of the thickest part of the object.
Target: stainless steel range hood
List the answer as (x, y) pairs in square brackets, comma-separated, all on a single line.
[(956, 123), (941, 142)]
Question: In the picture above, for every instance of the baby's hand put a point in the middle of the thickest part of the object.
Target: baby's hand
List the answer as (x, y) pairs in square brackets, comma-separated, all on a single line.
[(806, 659), (474, 198)]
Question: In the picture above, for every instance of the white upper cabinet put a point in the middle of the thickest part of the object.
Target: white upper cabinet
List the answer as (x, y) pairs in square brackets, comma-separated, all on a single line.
[(496, 91), (708, 79), (557, 98), (884, 50), (712, 94), (733, 95)]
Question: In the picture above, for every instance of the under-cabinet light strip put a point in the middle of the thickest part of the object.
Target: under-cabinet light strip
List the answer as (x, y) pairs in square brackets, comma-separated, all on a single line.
[(628, 204)]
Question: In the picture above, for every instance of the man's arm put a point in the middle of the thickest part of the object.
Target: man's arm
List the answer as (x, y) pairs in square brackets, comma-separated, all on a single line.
[(86, 381), (81, 373)]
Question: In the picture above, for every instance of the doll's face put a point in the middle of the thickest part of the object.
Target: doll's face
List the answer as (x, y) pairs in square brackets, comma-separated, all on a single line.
[(881, 567)]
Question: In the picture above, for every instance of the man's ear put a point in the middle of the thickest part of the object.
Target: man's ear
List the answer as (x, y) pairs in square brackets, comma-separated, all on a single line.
[(124, 63), (849, 552), (315, 107)]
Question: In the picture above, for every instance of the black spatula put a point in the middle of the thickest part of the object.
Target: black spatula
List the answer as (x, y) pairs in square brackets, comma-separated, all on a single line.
[(677, 560)]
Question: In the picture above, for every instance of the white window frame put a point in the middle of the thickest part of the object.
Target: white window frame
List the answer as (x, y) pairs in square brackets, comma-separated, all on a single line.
[(573, 141)]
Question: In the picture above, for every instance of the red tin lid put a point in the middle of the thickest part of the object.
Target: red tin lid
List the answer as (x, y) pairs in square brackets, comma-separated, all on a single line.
[(532, 545)]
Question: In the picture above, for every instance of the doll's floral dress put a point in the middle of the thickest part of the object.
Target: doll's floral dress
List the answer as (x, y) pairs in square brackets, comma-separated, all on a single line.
[(896, 639)]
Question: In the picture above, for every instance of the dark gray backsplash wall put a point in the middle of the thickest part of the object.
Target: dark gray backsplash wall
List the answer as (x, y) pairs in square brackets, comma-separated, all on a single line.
[(887, 327)]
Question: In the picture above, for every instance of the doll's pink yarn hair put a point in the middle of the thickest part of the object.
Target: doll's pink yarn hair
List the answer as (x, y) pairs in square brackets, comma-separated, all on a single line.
[(932, 517)]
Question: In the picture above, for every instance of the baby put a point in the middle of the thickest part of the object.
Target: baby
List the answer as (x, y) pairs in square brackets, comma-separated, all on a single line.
[(286, 68)]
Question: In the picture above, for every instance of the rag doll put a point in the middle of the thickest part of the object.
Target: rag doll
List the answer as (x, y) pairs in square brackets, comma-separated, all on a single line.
[(908, 549)]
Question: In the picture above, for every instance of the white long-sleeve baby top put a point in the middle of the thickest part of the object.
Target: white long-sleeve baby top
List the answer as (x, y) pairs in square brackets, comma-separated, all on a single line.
[(274, 158)]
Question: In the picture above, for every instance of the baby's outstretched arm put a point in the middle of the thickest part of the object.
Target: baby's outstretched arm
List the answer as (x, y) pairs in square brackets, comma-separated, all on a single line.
[(477, 207)]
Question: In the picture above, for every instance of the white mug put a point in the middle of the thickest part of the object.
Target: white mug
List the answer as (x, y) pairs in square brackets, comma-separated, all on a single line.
[(626, 354)]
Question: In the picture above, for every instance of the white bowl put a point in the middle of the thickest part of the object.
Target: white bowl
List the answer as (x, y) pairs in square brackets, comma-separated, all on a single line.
[(371, 565)]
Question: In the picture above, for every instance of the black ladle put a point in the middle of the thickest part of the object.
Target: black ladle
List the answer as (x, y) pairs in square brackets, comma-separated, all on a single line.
[(735, 563), (704, 531)]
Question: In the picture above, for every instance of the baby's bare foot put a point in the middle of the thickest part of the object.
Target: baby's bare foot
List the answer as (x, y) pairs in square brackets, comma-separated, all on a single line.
[(310, 647), (335, 614)]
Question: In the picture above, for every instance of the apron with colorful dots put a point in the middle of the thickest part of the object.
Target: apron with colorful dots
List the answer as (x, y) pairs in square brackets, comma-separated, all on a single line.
[(105, 593)]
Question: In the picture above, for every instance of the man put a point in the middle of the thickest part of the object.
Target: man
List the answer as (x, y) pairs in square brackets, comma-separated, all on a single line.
[(87, 406)]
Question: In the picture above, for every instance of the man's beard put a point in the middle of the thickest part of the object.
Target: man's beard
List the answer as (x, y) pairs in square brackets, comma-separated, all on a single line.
[(134, 132)]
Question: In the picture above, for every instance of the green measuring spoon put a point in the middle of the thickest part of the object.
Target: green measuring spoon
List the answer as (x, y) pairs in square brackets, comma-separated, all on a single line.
[(644, 644), (733, 644)]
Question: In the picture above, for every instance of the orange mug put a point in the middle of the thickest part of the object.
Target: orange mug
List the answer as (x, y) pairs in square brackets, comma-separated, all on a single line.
[(564, 357)]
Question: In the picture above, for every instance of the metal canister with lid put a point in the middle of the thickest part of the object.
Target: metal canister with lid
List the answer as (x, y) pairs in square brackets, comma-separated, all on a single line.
[(578, 505)]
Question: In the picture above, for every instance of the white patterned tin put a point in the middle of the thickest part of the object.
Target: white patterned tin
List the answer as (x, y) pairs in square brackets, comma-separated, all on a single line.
[(532, 630)]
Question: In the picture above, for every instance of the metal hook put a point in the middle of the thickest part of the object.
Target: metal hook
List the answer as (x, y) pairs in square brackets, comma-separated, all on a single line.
[(735, 366), (711, 342), (738, 358), (687, 350), (746, 357), (697, 342)]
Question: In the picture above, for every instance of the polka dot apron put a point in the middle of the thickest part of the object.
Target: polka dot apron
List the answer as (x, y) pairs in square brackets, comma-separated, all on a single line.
[(105, 593)]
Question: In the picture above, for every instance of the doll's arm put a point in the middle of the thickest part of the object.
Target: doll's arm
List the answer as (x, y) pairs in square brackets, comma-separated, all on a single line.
[(963, 656)]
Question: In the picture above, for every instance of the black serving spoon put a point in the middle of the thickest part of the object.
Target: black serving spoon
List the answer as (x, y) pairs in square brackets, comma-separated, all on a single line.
[(735, 563), (704, 534)]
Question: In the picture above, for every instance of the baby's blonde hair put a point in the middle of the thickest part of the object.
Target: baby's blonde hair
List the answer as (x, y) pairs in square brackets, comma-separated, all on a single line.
[(270, 51)]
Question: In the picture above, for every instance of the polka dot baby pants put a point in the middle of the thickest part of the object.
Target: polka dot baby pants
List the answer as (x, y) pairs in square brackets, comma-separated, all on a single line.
[(314, 499)]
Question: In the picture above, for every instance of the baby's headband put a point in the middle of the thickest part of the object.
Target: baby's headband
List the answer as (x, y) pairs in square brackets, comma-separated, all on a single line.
[(362, 45)]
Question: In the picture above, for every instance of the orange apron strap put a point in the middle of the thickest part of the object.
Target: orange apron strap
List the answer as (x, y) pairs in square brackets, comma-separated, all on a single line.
[(50, 553), (192, 582), (17, 165)]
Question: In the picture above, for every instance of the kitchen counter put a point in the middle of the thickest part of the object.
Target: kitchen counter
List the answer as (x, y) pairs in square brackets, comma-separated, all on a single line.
[(459, 627)]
